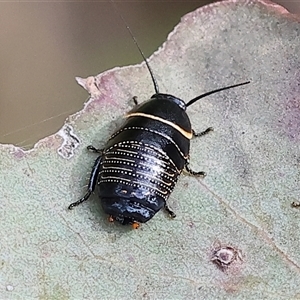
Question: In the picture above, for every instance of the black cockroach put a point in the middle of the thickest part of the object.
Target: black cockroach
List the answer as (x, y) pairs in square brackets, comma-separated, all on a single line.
[(138, 167)]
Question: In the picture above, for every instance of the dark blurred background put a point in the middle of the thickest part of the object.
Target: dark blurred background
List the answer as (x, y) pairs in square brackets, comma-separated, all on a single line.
[(44, 45)]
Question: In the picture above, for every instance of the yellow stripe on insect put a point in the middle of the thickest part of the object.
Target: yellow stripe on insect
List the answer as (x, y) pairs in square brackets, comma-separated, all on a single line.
[(185, 133)]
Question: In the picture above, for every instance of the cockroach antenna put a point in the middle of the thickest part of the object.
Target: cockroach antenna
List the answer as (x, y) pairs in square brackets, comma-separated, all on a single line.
[(140, 50), (214, 91), (151, 72)]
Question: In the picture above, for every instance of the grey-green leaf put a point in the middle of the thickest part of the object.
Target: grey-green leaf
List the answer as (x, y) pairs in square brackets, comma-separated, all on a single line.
[(252, 160)]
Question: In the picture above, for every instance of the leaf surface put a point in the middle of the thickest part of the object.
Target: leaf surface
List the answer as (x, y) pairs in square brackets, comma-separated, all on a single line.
[(252, 160)]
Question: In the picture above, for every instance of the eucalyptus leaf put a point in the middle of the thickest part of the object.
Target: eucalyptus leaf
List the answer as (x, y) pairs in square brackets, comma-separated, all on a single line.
[(252, 160)]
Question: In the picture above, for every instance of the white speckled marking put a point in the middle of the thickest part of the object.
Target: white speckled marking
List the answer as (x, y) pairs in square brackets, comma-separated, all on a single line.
[(70, 141)]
